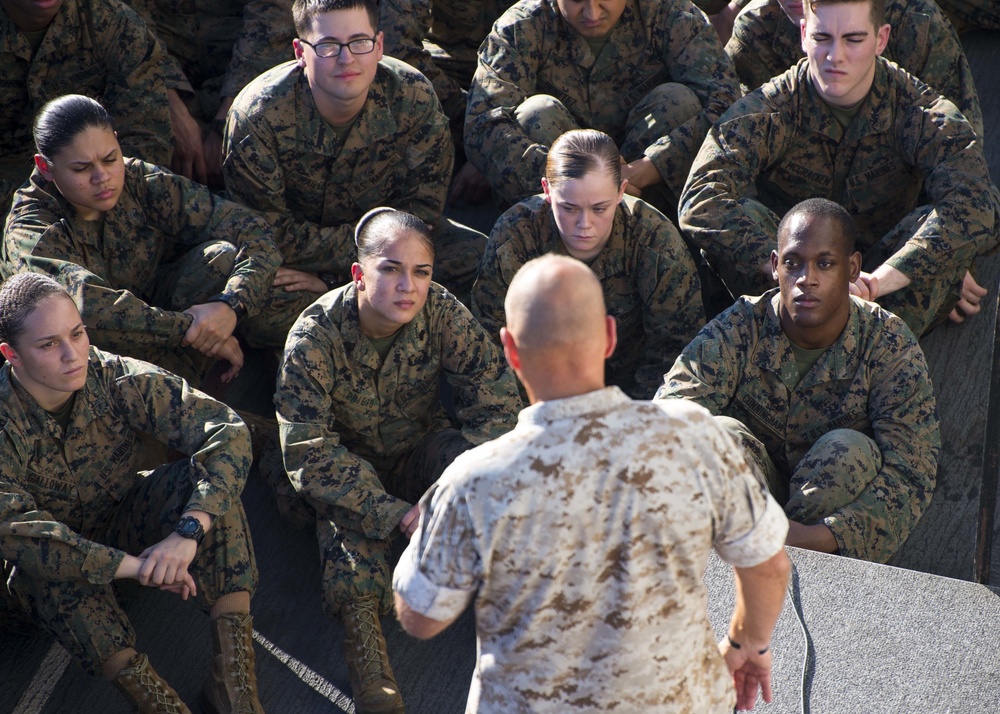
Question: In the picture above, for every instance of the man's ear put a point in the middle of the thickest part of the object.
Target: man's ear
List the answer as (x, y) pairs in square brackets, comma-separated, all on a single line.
[(510, 349), (611, 326), (299, 51), (774, 265), (882, 38), (855, 262)]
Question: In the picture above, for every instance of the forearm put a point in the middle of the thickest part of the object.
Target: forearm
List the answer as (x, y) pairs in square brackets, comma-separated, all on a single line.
[(760, 592), (49, 550), (415, 624)]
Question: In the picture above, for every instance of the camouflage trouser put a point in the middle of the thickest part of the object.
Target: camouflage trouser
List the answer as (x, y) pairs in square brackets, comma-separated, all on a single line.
[(195, 276), (967, 15), (664, 108), (353, 564), (87, 619), (832, 474), (923, 303)]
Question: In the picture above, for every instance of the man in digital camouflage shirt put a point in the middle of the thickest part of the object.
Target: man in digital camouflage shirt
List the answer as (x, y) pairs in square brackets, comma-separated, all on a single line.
[(847, 125), (829, 394), (582, 535), (767, 41), (315, 143), (651, 74)]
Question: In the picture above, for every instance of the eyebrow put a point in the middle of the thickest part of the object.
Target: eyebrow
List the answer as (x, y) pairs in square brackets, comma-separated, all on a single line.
[(399, 262), (109, 155), (45, 338), (355, 36)]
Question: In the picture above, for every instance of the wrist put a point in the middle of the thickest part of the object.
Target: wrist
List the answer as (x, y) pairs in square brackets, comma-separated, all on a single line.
[(749, 646)]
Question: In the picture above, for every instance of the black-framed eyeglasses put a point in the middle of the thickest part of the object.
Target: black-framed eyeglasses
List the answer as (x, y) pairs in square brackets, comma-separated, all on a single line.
[(329, 48)]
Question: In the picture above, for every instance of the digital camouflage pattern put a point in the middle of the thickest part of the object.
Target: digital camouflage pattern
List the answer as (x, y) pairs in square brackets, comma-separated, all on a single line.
[(650, 283), (872, 380), (969, 15), (95, 47), (167, 244), (532, 51), (283, 160), (586, 570), (72, 504), (348, 424), (441, 38), (215, 47), (909, 169), (766, 42)]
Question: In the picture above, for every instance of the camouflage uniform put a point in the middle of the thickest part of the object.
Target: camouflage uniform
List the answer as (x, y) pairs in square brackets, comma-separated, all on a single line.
[(217, 46), (765, 43), (867, 404), (95, 47), (349, 425), (73, 504), (972, 14), (909, 169), (284, 160), (166, 245), (658, 85), (650, 283), (587, 572), (441, 39)]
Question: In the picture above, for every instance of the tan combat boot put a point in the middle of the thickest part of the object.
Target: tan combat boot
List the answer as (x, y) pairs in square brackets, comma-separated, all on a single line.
[(146, 691), (231, 685), (372, 682)]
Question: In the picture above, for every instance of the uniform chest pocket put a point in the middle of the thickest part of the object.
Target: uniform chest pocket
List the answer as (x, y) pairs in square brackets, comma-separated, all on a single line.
[(417, 396), (89, 80), (869, 189), (381, 178), (855, 419), (56, 495)]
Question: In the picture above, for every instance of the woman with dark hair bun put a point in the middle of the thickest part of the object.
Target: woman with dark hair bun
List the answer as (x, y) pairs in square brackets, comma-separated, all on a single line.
[(651, 284), (163, 269), (363, 429)]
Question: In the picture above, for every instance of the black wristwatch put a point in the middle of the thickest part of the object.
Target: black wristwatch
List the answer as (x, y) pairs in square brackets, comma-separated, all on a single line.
[(190, 527), (233, 302)]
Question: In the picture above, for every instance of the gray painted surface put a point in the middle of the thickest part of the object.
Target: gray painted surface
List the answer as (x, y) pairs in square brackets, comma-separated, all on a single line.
[(886, 640)]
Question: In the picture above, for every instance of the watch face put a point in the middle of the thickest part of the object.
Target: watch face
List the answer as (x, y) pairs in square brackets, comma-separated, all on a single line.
[(189, 527)]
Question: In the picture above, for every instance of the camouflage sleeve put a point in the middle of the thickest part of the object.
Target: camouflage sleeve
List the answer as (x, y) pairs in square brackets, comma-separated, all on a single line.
[(494, 142), (210, 433), (440, 570), (715, 211), (903, 414), (491, 285), (927, 46), (405, 24), (751, 48), (37, 543), (695, 57), (255, 177), (337, 483), (429, 152), (41, 242), (941, 144), (485, 389), (670, 289), (173, 75), (135, 94), (708, 370), (265, 41), (193, 215)]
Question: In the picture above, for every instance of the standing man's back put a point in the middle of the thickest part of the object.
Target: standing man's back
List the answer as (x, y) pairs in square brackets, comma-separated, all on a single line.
[(583, 534)]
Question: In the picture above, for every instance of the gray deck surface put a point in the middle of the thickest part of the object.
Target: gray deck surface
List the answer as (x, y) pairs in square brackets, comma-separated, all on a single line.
[(886, 639)]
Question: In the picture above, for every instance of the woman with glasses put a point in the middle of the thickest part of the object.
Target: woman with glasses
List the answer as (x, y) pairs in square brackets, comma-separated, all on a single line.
[(363, 429), (163, 269), (651, 285)]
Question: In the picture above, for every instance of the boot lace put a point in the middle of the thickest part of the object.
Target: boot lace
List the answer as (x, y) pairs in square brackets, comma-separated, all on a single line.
[(366, 611), (153, 690), (239, 662)]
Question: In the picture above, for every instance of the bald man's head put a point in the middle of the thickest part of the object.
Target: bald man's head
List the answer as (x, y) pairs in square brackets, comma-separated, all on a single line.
[(555, 302)]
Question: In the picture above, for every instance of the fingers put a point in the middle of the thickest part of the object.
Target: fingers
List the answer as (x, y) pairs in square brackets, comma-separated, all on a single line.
[(633, 191), (410, 520)]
